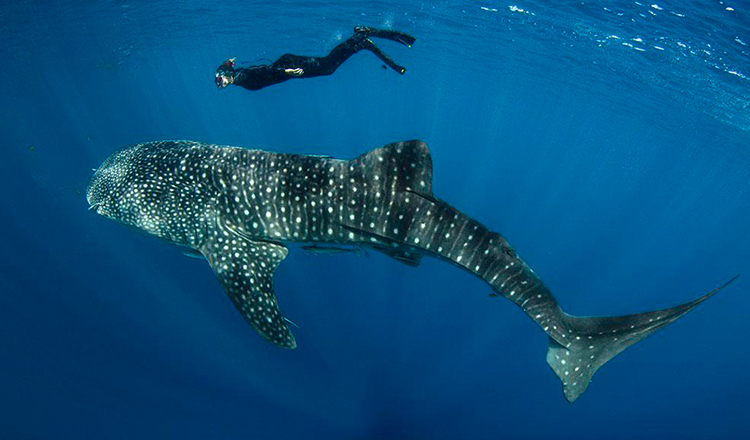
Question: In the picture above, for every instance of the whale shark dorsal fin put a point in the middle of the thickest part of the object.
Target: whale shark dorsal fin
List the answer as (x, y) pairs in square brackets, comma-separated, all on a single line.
[(245, 269), (410, 161)]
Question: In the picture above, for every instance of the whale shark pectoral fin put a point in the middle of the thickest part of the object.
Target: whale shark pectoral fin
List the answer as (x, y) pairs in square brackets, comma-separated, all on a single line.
[(245, 269)]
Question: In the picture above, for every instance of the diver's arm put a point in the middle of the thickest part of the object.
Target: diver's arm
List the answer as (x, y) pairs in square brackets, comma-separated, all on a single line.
[(294, 72)]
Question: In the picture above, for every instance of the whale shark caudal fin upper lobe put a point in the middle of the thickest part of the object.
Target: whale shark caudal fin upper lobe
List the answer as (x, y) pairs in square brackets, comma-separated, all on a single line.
[(599, 339), (245, 269)]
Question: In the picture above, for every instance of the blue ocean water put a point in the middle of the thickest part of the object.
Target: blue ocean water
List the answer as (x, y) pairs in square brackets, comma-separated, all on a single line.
[(609, 142)]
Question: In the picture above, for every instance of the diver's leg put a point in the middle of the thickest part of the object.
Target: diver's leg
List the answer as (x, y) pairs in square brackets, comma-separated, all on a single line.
[(354, 44), (341, 53), (319, 66), (399, 37)]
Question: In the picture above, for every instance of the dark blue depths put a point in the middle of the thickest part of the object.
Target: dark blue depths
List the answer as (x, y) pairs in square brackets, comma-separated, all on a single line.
[(617, 170)]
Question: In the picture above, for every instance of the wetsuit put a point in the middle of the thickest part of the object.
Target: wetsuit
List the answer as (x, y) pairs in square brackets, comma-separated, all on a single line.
[(258, 77)]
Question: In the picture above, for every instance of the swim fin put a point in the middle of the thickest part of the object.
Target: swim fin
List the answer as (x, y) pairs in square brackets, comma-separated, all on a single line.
[(369, 45), (399, 37)]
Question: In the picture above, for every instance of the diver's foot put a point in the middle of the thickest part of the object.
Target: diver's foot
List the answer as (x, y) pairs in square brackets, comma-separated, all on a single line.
[(399, 37)]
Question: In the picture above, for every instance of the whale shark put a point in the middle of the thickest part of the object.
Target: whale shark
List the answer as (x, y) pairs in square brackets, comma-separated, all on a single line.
[(241, 208)]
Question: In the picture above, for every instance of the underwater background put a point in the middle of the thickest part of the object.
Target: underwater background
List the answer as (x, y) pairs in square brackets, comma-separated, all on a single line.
[(608, 141)]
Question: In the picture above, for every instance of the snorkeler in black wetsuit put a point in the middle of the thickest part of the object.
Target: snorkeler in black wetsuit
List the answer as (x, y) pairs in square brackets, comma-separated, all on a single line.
[(290, 66)]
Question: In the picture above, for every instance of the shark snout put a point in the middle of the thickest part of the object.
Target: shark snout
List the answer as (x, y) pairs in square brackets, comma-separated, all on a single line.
[(97, 191), (91, 191)]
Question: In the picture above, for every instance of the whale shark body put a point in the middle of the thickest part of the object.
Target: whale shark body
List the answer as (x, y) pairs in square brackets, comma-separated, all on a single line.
[(239, 208)]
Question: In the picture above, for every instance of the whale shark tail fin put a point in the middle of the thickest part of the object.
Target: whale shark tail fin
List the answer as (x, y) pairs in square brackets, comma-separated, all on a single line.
[(595, 340)]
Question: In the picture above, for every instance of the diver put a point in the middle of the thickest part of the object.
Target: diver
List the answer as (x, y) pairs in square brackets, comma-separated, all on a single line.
[(290, 66)]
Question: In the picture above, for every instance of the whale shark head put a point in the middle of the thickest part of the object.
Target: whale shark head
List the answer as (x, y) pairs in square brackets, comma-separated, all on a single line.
[(119, 191), (110, 182), (159, 188)]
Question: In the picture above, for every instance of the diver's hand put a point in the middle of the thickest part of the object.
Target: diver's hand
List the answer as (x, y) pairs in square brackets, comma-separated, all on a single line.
[(294, 72)]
